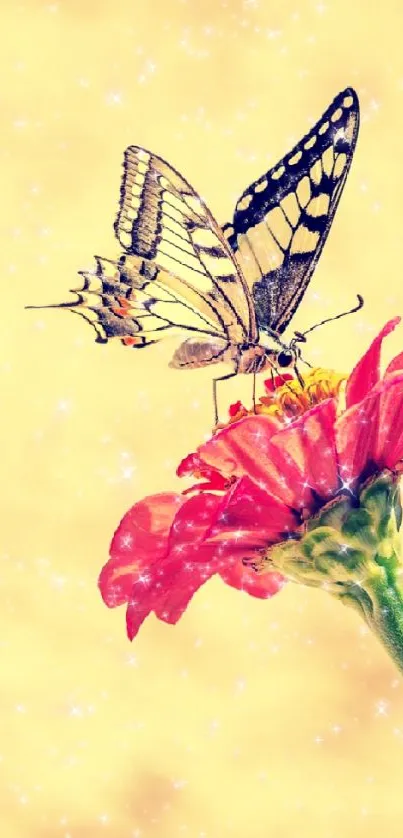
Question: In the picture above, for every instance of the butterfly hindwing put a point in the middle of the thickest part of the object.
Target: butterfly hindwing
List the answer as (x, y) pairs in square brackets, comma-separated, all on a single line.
[(281, 221), (135, 306)]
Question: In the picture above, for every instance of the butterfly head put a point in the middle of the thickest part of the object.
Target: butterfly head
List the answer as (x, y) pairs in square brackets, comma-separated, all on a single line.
[(288, 357), (278, 354)]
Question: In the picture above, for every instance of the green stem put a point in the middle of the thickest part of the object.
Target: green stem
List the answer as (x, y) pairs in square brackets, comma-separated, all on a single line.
[(383, 613)]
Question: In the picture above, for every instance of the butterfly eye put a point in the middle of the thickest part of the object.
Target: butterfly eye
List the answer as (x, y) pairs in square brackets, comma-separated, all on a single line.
[(285, 358)]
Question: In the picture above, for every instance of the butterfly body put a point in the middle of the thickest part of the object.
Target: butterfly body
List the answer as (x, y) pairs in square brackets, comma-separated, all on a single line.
[(233, 289), (126, 291), (246, 358)]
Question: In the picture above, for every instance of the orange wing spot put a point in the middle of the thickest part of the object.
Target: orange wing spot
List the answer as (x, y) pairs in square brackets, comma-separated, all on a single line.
[(129, 341), (120, 312), (123, 309)]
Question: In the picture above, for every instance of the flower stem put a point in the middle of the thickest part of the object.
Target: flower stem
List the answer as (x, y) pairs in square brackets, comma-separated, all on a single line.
[(382, 610)]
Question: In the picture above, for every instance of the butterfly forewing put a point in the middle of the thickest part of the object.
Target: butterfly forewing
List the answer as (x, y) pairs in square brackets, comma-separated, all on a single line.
[(281, 221), (164, 222)]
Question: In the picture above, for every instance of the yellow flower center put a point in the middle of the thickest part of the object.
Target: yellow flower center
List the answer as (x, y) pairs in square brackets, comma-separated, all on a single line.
[(291, 399)]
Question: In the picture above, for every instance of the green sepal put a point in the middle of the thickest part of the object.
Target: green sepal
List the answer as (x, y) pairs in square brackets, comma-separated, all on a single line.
[(352, 549)]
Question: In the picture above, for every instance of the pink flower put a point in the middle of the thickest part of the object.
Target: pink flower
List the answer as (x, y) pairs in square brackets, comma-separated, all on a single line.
[(271, 472)]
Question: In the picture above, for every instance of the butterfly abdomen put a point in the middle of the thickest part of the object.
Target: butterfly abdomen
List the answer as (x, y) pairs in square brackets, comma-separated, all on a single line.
[(194, 353), (248, 358)]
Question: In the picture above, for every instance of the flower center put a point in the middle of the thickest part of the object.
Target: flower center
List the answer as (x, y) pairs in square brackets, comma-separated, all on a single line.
[(288, 399)]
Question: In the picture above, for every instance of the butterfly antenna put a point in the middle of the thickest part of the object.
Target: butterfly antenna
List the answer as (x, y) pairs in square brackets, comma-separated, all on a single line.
[(301, 335)]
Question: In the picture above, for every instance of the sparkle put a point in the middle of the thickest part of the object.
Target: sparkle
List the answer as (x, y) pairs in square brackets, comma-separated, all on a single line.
[(114, 98), (346, 484), (273, 33), (63, 406), (58, 581), (340, 134), (144, 578), (20, 123), (104, 819), (76, 711), (179, 784), (381, 708), (127, 472)]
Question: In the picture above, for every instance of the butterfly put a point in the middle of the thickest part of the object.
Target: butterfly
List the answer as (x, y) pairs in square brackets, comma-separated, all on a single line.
[(232, 289)]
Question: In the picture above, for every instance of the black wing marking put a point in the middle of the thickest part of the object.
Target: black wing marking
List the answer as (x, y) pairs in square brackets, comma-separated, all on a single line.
[(138, 314), (162, 220), (281, 221)]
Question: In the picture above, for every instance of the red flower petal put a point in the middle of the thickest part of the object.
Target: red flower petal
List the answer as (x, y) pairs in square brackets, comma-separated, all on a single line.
[(236, 408), (292, 464), (245, 579), (166, 547), (248, 520), (193, 465), (305, 452), (189, 466), (389, 451), (212, 535), (396, 365), (170, 588), (141, 537), (366, 373), (169, 575), (370, 435), (244, 449), (271, 384)]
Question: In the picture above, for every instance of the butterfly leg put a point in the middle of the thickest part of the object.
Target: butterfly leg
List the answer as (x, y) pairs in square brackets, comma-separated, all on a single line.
[(254, 392), (299, 376), (215, 382)]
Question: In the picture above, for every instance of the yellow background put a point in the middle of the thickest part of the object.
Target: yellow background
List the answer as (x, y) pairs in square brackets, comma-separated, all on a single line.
[(248, 719)]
